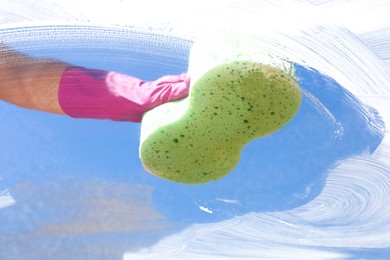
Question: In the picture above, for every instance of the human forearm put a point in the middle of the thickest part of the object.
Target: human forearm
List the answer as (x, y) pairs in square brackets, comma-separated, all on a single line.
[(56, 87), (30, 82)]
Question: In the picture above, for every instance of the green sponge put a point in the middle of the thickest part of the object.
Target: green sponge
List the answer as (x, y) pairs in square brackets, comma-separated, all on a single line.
[(199, 139)]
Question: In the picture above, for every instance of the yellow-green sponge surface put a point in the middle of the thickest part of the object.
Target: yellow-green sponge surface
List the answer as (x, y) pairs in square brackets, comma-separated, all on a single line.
[(199, 139)]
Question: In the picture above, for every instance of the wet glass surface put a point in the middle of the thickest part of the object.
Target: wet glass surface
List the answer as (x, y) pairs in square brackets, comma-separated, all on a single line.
[(76, 188)]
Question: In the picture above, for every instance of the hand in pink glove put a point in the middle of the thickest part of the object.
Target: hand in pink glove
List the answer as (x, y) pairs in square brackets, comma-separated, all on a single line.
[(86, 93)]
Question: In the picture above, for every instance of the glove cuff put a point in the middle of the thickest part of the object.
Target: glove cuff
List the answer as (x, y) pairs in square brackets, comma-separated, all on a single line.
[(85, 93)]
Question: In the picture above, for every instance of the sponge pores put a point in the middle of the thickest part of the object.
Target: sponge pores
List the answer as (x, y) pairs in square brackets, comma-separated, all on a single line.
[(199, 139)]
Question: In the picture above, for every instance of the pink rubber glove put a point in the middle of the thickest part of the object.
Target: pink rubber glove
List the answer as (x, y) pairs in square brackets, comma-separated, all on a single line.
[(86, 93)]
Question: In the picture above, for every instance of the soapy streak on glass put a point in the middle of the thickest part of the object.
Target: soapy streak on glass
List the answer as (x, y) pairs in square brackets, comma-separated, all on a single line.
[(69, 149)]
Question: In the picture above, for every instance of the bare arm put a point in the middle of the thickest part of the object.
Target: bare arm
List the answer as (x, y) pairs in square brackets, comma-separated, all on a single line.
[(44, 85), (30, 82)]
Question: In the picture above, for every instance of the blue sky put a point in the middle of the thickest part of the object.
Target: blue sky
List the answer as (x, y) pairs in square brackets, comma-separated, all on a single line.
[(80, 188), (330, 126)]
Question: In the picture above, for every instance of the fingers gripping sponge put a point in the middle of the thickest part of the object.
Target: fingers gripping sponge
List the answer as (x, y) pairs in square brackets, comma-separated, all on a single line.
[(199, 139)]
